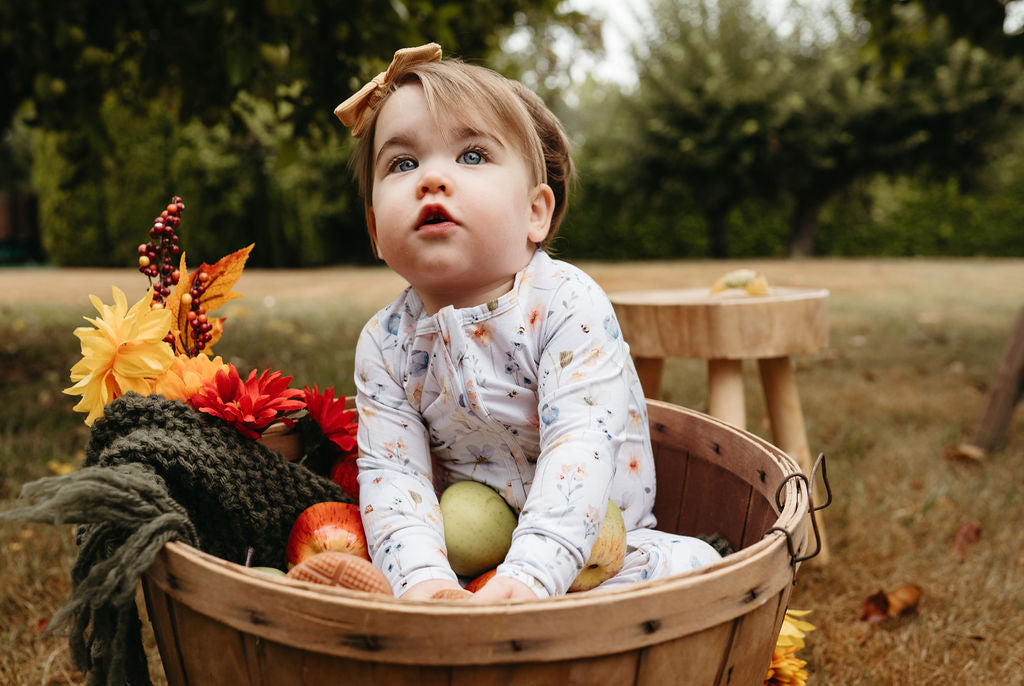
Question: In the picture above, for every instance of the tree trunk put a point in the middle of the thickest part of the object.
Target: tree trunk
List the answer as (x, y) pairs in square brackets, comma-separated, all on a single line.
[(804, 224), (718, 232)]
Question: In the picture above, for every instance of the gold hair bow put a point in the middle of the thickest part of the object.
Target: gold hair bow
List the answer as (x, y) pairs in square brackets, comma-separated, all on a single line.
[(355, 111)]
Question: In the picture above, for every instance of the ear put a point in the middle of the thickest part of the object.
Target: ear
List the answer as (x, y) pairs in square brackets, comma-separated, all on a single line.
[(542, 207)]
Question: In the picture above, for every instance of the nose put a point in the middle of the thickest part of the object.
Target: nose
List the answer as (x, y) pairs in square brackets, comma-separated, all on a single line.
[(434, 181)]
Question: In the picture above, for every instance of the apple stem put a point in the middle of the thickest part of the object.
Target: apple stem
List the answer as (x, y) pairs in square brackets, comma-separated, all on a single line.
[(248, 556)]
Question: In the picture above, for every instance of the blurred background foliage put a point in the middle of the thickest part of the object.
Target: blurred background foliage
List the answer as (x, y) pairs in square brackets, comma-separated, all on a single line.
[(871, 128)]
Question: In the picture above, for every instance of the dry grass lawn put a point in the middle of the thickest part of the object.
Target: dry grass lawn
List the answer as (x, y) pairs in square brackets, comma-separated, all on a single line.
[(914, 345)]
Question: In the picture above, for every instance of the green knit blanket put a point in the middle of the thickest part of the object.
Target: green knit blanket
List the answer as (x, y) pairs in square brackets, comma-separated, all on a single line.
[(155, 471)]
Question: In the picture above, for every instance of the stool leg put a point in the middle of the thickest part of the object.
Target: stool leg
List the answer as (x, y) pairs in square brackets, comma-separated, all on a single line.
[(787, 420), (649, 370), (784, 411), (725, 391)]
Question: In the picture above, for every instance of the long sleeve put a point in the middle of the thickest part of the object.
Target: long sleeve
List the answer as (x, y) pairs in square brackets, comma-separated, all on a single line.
[(400, 510), (583, 408)]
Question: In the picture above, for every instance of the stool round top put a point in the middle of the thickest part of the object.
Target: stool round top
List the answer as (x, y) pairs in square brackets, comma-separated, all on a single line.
[(693, 322)]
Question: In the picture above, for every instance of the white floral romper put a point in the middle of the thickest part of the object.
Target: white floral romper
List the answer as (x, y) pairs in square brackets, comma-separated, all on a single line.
[(533, 394)]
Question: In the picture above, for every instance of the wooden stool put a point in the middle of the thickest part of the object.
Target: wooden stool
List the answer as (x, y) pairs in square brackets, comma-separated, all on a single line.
[(725, 329)]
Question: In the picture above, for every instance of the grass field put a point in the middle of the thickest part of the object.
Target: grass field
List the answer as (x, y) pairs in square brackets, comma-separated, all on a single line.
[(914, 345)]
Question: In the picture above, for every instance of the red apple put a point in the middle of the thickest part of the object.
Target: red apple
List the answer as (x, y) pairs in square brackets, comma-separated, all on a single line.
[(344, 473), (327, 526), (481, 581)]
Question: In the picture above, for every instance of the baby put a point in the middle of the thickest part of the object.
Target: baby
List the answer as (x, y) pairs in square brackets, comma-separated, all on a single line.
[(498, 364)]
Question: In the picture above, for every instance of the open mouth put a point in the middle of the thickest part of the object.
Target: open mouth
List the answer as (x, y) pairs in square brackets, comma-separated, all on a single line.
[(433, 214)]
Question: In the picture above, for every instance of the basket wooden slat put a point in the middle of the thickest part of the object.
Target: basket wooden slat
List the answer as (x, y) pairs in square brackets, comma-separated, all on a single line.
[(217, 622)]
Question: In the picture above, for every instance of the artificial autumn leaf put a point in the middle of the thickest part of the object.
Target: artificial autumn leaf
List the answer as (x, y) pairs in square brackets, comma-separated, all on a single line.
[(223, 276), (172, 303), (882, 606), (966, 534)]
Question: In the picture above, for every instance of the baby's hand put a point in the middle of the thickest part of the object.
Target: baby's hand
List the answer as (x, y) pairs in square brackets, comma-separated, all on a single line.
[(425, 590), (503, 588)]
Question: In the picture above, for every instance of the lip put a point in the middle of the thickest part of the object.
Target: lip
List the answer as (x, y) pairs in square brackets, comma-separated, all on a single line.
[(434, 218)]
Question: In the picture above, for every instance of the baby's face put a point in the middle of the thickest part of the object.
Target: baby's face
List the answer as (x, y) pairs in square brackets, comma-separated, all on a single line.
[(454, 210)]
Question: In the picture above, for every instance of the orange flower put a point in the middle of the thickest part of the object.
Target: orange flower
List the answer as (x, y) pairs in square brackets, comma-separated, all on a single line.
[(535, 316), (187, 376), (251, 405), (786, 669), (482, 334)]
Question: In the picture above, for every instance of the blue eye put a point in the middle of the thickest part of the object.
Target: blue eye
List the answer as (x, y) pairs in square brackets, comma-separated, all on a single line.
[(471, 157), (403, 164)]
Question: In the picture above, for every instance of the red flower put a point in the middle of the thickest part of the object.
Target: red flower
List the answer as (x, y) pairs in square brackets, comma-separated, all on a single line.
[(336, 423), (249, 406)]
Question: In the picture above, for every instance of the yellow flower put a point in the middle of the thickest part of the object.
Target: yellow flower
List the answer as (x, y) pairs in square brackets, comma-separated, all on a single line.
[(786, 667), (794, 630), (125, 352), (186, 376)]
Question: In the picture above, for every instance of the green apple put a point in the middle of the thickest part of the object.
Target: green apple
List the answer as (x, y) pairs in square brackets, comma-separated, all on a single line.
[(608, 553), (478, 526), (273, 571)]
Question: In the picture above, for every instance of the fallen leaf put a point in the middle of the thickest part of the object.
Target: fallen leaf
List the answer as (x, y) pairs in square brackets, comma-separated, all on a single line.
[(966, 534), (876, 608), (904, 599), (882, 606), (966, 451)]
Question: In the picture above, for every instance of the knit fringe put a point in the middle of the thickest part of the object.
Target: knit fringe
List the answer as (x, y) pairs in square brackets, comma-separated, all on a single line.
[(126, 515)]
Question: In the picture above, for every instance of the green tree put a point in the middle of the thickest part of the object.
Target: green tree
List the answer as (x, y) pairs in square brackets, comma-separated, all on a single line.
[(980, 22), (229, 105), (714, 81), (940, 116), (732, 110), (197, 57)]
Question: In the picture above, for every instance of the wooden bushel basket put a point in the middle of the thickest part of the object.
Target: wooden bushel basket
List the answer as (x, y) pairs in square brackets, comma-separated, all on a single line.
[(217, 622)]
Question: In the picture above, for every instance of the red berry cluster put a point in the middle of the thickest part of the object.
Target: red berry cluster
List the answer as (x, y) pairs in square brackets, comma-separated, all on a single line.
[(200, 328), (157, 258)]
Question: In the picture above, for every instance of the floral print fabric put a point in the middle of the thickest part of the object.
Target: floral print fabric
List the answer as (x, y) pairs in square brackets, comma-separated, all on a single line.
[(533, 394)]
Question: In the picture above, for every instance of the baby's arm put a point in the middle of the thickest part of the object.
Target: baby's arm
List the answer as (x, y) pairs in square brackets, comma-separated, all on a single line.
[(399, 508), (583, 409)]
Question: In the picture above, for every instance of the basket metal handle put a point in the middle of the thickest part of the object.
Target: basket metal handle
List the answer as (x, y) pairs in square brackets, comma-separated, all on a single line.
[(794, 559)]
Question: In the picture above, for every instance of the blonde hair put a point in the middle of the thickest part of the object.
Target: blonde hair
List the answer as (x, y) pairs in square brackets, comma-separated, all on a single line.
[(505, 107)]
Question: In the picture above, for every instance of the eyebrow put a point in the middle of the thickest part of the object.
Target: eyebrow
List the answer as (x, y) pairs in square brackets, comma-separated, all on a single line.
[(462, 133), (400, 141)]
